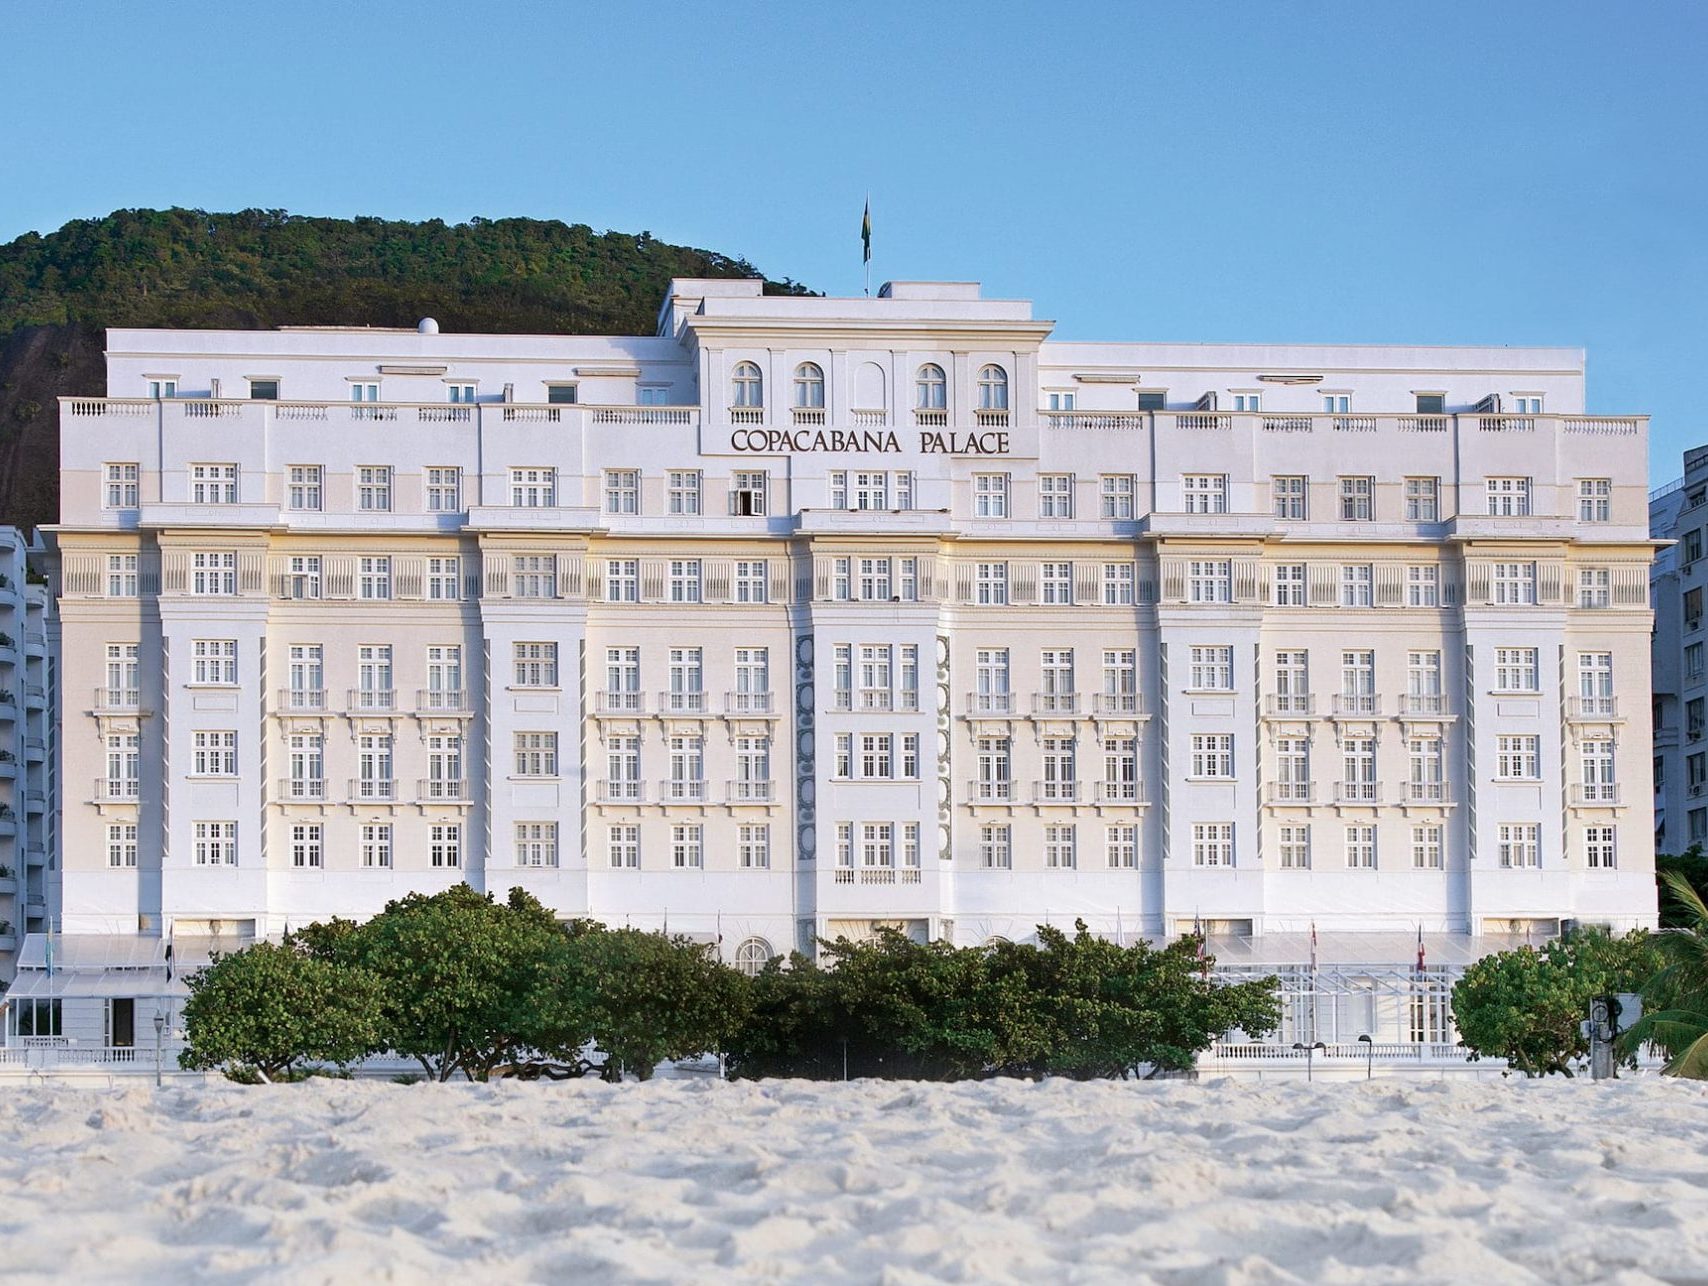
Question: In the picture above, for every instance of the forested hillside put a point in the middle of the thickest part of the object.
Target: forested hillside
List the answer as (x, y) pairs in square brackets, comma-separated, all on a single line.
[(264, 268)]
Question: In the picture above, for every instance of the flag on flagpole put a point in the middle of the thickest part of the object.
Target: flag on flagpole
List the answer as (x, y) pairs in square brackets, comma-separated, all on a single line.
[(866, 232), (1420, 964), (1313, 946)]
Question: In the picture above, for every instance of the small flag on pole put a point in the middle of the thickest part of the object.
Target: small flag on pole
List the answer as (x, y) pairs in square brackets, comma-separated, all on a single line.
[(1420, 964), (1313, 946), (866, 232)]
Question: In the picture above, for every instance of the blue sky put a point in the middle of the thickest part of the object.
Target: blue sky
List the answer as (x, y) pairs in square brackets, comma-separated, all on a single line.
[(1435, 173)]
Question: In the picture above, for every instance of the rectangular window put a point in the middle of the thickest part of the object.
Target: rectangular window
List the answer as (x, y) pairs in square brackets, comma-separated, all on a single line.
[(373, 577), (622, 491), (1600, 847), (459, 393), (1357, 499), (302, 576), (1515, 583), (374, 767), (1060, 845), (565, 395), (684, 580), (1516, 670), (536, 754), (1212, 843), (121, 844), (536, 843), (1358, 585), (1121, 847), (1213, 755), (1213, 668), (124, 765), (216, 843), (444, 579), (533, 575), (1210, 580), (875, 580), (622, 580), (214, 753), (444, 489), (1423, 586), (264, 390), (373, 488), (1518, 758), (1291, 497), (535, 665), (213, 573), (1292, 682), (213, 484), (751, 579), (445, 844), (1117, 491), (753, 846), (307, 844), (1118, 584), (533, 488), (990, 495), (1055, 495), (747, 495), (123, 486), (687, 845), (1520, 844), (213, 661), (1055, 584), (121, 575), (1423, 499), (1509, 497), (996, 851), (992, 584), (1295, 844), (1361, 847), (1426, 850), (1595, 587), (303, 487), (1595, 500), (622, 845), (682, 496), (1205, 493)]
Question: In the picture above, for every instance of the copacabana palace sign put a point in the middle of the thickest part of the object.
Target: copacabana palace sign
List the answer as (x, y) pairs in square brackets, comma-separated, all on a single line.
[(867, 442)]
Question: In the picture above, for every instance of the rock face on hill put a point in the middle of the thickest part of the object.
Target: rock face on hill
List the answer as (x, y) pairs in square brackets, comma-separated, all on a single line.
[(263, 268)]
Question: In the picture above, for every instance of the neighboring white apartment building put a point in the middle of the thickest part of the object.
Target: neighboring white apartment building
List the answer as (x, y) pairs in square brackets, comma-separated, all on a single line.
[(807, 615), (26, 821), (1678, 516)]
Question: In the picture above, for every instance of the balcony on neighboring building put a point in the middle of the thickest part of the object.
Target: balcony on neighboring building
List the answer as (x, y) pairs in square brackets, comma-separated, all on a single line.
[(372, 700), (750, 791), (1289, 705), (1122, 793), (1358, 705), (1595, 794), (683, 790), (442, 790), (686, 703), (1423, 705), (301, 790), (1438, 793), (301, 701), (118, 700), (1118, 705), (115, 790), (619, 703), (990, 703), (990, 791), (1055, 792), (750, 703), (1290, 793), (1582, 709), (443, 701), (625, 790), (371, 790), (1055, 703), (1365, 793)]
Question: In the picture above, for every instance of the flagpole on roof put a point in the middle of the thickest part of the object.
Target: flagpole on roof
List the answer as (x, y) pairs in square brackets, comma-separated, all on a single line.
[(866, 241)]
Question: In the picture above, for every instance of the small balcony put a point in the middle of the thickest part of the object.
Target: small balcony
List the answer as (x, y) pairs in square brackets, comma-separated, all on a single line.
[(693, 703), (623, 791), (372, 700), (750, 791), (682, 790), (1424, 705), (1595, 794), (993, 418), (1128, 793), (302, 790), (747, 415), (619, 703), (117, 790), (118, 700), (442, 790), (302, 700), (1118, 704), (877, 875), (751, 703), (1055, 792), (1055, 703), (1365, 793), (1437, 793), (980, 791), (1284, 794), (990, 703), (372, 790), (1358, 705), (1582, 709), (931, 417), (1289, 705), (442, 701), (808, 416)]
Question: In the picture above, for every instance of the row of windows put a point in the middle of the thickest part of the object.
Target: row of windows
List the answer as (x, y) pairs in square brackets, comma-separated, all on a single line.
[(930, 387), (366, 390)]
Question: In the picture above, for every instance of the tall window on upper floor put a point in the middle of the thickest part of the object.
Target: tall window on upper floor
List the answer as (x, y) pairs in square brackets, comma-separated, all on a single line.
[(1595, 499), (809, 386), (930, 388), (1509, 497), (123, 485), (747, 386), (993, 389)]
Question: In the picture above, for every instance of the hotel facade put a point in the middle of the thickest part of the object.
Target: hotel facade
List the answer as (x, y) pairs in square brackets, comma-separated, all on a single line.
[(807, 615)]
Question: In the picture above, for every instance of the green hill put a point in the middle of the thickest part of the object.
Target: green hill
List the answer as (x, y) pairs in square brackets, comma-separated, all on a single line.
[(265, 268)]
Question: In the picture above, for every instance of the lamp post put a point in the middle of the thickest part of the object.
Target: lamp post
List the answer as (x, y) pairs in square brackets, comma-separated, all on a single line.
[(1309, 1051), (159, 1036), (1369, 1055)]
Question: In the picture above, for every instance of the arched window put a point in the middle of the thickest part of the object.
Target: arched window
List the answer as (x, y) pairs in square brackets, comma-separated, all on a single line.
[(809, 385), (931, 387), (752, 955), (749, 386), (993, 389)]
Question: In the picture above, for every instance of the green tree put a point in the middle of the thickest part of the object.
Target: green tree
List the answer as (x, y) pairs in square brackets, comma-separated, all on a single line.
[(1675, 998), (1526, 1005), (1692, 866), (274, 1007)]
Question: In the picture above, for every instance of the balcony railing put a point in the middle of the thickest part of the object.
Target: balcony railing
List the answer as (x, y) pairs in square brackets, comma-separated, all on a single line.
[(980, 791), (302, 699), (1055, 703), (749, 703), (931, 417), (373, 699), (372, 789), (117, 790), (1357, 792), (1428, 792), (1603, 793), (1117, 703), (750, 791), (990, 703), (442, 701), (674, 790), (118, 700), (1423, 704), (1289, 704), (1366, 705), (302, 790), (442, 790), (1122, 792), (682, 702), (1290, 792), (1592, 707), (747, 415), (991, 419), (1055, 792), (808, 415), (873, 699), (877, 875), (622, 791), (619, 702)]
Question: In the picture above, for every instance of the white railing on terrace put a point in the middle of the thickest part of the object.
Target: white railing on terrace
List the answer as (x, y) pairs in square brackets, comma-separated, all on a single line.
[(990, 703), (1592, 793), (372, 699), (1055, 703), (1592, 707), (747, 415), (682, 790), (1290, 792), (868, 419), (1282, 704), (1122, 792), (1357, 792), (1359, 704), (1311, 422), (682, 702), (116, 790), (442, 790), (980, 791), (619, 702), (749, 703), (931, 417), (442, 701), (1423, 703), (301, 699), (1055, 792), (1389, 1050), (622, 791), (118, 699), (808, 415), (1428, 792), (991, 419), (302, 790), (1117, 703), (877, 875), (746, 790), (378, 789)]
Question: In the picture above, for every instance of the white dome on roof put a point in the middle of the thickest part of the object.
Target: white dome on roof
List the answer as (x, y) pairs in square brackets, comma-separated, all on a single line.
[(427, 326)]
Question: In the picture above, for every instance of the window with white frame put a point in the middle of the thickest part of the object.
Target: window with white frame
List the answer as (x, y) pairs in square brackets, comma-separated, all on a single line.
[(752, 680), (1509, 497), (1358, 680), (373, 488), (444, 578), (1055, 495), (1117, 492), (996, 850), (687, 845), (990, 495), (1428, 782), (1248, 401), (1288, 584), (1212, 843), (1600, 847), (1423, 586), (1423, 680), (213, 572), (1426, 847), (213, 661), (1057, 693), (1520, 844), (1293, 681), (216, 843), (685, 580), (1358, 585), (753, 846), (1423, 499), (121, 575), (459, 392), (444, 676), (748, 493), (995, 769), (1518, 757), (124, 765), (1119, 581), (930, 388), (213, 484), (1599, 784), (533, 575), (1060, 844), (373, 578), (536, 843), (1061, 777), (1361, 847), (445, 845), (1290, 495), (622, 846), (1062, 399), (1213, 668), (307, 844), (1357, 499), (682, 492), (533, 488), (213, 753), (1516, 670), (1213, 755), (992, 584), (993, 389), (304, 487), (747, 386), (622, 580), (622, 491), (1120, 681), (535, 664), (444, 485), (623, 768), (302, 576), (536, 754), (123, 486), (1121, 847), (307, 674), (1205, 493), (1293, 770), (124, 674), (875, 580), (1055, 584), (1337, 403), (1595, 499), (1295, 846), (374, 767), (1595, 587), (809, 386), (567, 394), (752, 576), (1209, 580), (1120, 770), (1358, 765), (121, 844), (1515, 583), (444, 767)]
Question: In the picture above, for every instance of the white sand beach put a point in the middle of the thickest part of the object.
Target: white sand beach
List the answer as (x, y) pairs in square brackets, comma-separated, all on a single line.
[(868, 1182)]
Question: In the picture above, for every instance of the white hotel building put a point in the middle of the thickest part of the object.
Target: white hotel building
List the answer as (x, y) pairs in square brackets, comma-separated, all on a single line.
[(806, 615)]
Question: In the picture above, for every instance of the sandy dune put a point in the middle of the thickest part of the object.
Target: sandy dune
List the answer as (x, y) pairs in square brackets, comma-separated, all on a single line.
[(869, 1182)]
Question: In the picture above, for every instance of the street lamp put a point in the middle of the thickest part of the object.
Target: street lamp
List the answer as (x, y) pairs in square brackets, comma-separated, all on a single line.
[(159, 1035), (1309, 1051), (1369, 1055)]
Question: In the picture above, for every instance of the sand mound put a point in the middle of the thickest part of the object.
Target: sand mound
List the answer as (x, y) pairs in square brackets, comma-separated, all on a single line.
[(869, 1182)]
